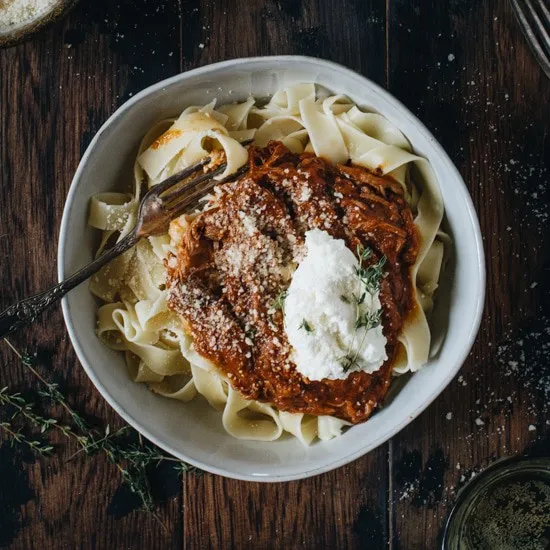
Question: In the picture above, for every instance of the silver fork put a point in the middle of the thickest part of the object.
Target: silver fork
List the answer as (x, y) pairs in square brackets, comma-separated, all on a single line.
[(159, 206), (534, 19)]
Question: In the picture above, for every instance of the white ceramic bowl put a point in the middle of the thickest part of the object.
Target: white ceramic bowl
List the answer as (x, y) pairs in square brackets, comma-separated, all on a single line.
[(193, 431)]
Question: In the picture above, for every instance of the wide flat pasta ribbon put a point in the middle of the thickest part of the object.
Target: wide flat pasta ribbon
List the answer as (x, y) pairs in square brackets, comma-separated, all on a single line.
[(135, 318)]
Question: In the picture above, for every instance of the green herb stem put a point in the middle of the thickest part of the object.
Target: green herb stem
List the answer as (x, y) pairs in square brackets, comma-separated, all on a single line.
[(279, 302), (18, 436), (132, 461), (370, 278)]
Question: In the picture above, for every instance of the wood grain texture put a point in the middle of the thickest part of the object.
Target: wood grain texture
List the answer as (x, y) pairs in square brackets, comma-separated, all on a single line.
[(351, 32), (473, 81), (465, 70), (341, 509), (55, 92)]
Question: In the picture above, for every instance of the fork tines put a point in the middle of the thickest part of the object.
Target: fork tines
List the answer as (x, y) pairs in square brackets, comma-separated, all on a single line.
[(534, 19)]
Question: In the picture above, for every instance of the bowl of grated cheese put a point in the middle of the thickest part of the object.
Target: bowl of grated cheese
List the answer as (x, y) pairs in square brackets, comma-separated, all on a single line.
[(19, 19)]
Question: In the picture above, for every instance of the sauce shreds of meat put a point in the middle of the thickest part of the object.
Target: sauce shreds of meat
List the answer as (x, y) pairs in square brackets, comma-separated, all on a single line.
[(236, 258)]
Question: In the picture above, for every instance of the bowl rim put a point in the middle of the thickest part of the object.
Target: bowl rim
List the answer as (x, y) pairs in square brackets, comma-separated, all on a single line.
[(470, 334)]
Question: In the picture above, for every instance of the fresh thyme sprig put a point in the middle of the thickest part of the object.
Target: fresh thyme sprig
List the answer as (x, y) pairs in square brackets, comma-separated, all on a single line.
[(17, 436), (348, 361), (279, 301), (133, 461), (55, 396), (23, 408), (370, 278), (369, 320), (88, 443)]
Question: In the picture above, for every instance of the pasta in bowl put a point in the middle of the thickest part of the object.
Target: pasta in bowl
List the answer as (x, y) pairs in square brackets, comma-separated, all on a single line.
[(291, 299), (322, 173)]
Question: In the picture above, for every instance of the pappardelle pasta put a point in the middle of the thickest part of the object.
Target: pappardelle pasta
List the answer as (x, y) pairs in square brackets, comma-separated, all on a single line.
[(328, 185)]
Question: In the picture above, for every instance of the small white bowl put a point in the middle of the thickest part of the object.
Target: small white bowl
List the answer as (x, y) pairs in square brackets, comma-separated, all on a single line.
[(193, 431)]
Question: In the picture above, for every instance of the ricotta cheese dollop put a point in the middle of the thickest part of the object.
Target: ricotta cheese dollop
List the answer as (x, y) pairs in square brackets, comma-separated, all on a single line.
[(321, 311)]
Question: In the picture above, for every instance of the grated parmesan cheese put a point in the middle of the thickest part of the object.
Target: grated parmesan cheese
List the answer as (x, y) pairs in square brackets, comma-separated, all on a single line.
[(15, 13)]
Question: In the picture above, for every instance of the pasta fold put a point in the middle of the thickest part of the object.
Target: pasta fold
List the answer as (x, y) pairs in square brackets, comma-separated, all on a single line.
[(134, 317)]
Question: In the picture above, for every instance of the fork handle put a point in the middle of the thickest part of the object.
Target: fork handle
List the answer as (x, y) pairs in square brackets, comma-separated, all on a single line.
[(25, 311)]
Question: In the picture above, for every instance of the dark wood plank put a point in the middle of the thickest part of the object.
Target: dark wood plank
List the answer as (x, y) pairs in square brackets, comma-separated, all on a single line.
[(351, 32), (55, 92), (465, 70), (341, 509)]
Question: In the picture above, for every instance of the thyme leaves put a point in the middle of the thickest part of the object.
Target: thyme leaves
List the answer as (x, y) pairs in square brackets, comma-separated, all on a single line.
[(369, 279), (123, 448)]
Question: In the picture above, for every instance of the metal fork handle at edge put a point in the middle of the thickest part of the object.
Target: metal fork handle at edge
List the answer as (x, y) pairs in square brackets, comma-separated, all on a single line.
[(26, 311)]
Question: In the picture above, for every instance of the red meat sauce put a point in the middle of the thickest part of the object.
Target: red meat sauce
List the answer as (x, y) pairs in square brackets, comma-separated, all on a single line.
[(235, 258)]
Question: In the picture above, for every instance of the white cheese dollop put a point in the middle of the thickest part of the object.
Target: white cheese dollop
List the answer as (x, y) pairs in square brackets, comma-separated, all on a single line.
[(320, 313)]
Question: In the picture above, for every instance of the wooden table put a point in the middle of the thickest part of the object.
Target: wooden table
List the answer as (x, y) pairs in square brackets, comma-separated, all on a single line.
[(463, 67)]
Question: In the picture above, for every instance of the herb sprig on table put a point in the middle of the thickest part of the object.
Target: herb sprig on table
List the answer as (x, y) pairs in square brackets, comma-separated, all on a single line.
[(123, 448), (370, 278)]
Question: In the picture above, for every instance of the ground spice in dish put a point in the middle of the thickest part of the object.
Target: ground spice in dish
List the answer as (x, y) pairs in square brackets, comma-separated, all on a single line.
[(513, 514)]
